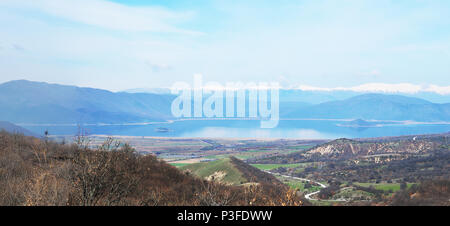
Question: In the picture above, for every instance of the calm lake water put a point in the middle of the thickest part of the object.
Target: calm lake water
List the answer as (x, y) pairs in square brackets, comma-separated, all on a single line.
[(301, 129)]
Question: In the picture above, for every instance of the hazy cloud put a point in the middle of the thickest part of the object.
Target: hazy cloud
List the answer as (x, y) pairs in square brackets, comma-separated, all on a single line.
[(156, 67), (108, 15), (18, 47), (384, 88), (327, 43), (372, 73)]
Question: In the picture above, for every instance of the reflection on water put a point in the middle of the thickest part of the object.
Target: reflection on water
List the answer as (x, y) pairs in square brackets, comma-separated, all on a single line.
[(300, 129)]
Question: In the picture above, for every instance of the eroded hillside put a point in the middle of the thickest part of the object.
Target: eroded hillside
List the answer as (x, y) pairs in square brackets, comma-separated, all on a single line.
[(368, 150)]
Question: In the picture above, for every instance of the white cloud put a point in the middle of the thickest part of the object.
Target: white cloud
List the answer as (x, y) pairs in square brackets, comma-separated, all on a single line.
[(107, 15), (384, 88), (98, 43), (157, 67), (443, 90), (387, 88)]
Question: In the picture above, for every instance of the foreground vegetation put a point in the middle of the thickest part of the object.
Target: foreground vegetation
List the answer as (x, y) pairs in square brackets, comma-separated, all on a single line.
[(86, 173), (42, 172)]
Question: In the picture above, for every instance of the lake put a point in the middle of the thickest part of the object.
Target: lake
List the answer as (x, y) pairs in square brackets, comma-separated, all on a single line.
[(299, 129)]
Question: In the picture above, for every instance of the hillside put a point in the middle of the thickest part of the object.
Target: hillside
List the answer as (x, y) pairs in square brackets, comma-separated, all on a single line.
[(368, 150), (411, 159), (37, 102), (429, 193), (35, 172), (11, 128), (344, 148), (230, 171), (222, 170)]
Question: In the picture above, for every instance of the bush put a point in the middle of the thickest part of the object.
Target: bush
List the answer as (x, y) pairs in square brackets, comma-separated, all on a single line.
[(42, 172)]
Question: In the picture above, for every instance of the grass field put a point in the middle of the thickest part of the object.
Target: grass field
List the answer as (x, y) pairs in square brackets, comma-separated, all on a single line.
[(298, 185), (178, 165), (384, 186), (352, 193)]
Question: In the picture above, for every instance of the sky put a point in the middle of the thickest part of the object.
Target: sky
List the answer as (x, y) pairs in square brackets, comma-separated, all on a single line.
[(312, 45)]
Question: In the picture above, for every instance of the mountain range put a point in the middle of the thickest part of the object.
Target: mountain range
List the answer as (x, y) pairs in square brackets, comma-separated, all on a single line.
[(377, 107), (38, 102), (320, 96)]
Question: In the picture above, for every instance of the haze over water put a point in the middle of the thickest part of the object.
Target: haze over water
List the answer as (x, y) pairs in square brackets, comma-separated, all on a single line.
[(298, 129)]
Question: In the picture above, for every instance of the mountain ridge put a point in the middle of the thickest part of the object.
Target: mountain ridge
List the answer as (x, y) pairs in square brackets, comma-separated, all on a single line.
[(26, 101), (39, 102), (377, 107), (15, 129)]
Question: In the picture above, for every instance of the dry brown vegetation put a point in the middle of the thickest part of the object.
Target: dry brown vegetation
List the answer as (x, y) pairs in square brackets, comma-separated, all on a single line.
[(41, 172), (428, 193)]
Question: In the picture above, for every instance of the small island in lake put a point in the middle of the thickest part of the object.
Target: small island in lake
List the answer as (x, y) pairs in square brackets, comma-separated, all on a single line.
[(162, 130), (359, 123)]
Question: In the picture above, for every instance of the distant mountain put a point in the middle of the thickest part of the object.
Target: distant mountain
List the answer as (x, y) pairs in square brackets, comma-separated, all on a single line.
[(11, 128), (317, 97), (149, 90), (376, 106), (37, 102), (314, 97)]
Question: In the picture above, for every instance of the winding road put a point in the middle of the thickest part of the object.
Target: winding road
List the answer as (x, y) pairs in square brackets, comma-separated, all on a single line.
[(307, 196)]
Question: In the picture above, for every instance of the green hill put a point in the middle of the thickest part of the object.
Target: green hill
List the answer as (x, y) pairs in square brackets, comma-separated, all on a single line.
[(221, 170)]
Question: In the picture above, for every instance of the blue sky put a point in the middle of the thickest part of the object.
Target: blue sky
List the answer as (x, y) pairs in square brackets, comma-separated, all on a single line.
[(122, 44)]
